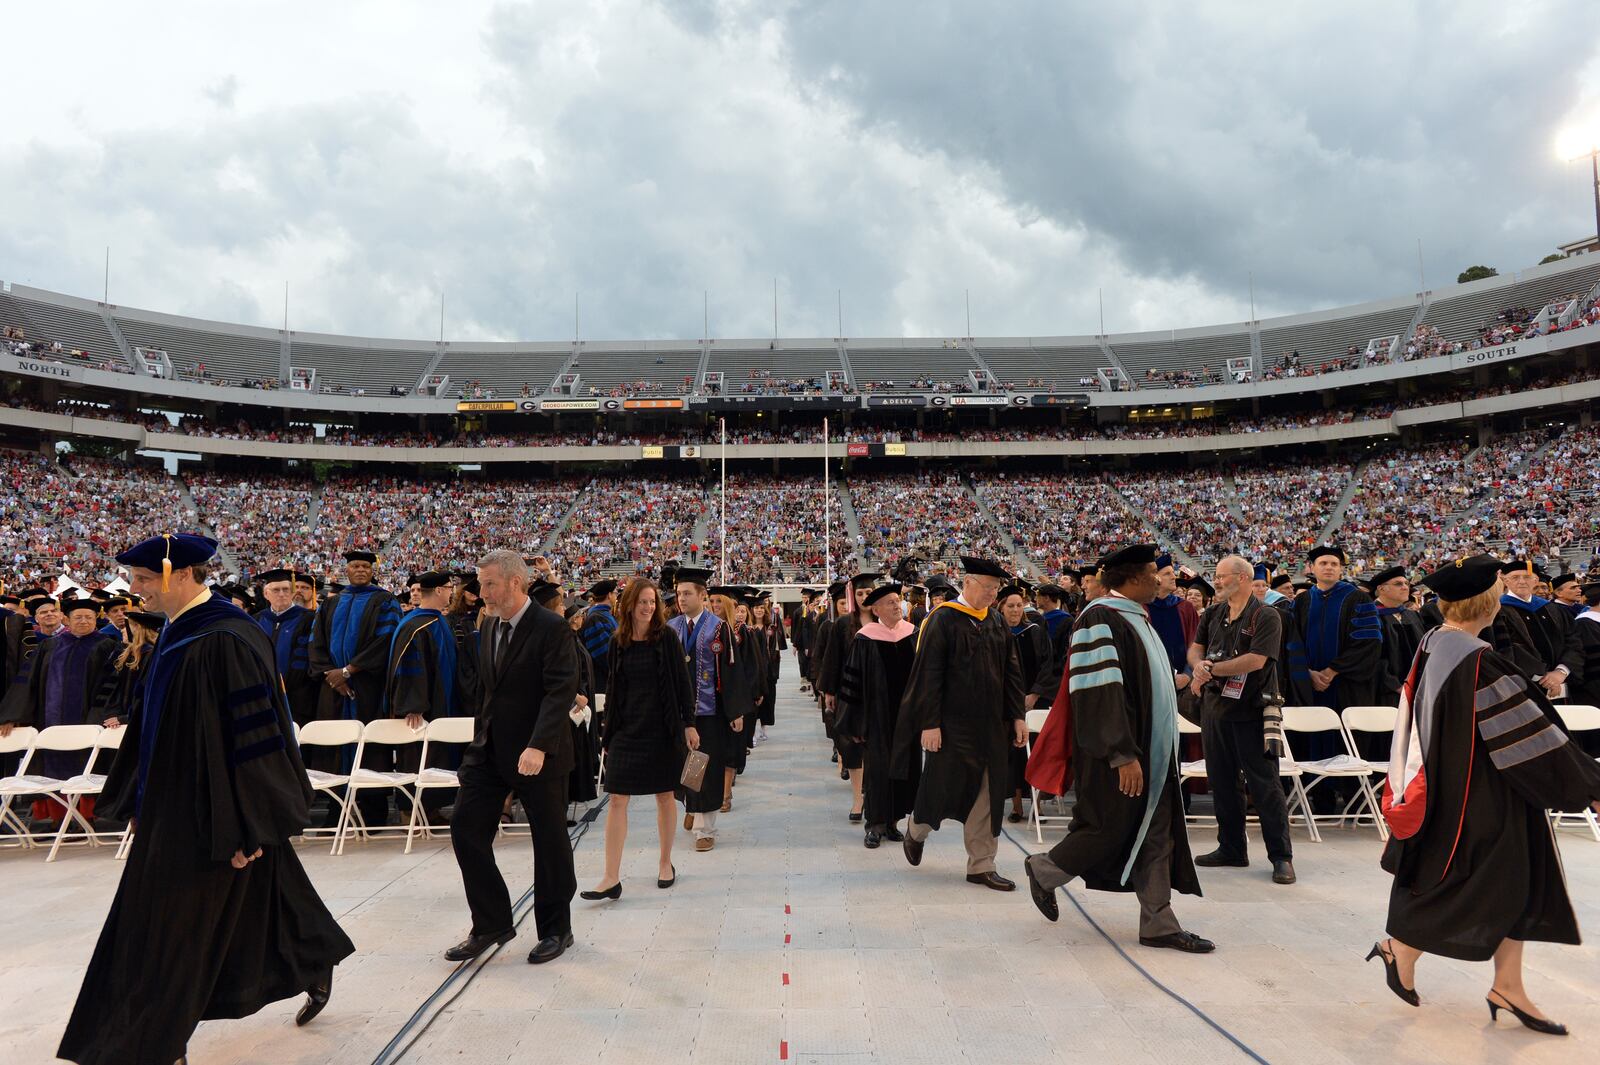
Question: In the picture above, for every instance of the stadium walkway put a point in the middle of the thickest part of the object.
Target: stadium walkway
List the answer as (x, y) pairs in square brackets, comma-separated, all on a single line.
[(791, 941)]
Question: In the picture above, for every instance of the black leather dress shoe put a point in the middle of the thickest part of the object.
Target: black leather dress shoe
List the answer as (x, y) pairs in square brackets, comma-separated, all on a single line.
[(991, 880), (549, 949), (1217, 860), (872, 840), (1187, 942), (1044, 900), (1283, 873), (892, 834), (316, 998), (472, 946), (913, 850)]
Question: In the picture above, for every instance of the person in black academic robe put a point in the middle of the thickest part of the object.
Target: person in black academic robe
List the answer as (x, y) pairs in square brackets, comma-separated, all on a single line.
[(1586, 691), (290, 633), (423, 683), (870, 693), (1040, 678), (1127, 829), (721, 701), (214, 917), (1478, 759), (1535, 633), (749, 664), (963, 707), (350, 655), (582, 783)]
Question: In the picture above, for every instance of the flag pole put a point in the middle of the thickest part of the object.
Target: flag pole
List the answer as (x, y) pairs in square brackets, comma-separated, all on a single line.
[(722, 504)]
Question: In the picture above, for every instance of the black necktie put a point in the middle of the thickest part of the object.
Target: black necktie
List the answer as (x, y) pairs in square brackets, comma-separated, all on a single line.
[(502, 642)]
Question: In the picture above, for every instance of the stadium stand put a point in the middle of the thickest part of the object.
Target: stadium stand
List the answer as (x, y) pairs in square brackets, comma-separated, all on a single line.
[(880, 368), (501, 371)]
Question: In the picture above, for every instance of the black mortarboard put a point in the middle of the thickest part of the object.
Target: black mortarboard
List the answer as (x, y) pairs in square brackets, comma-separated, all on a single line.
[(431, 580), (542, 591), (273, 576), (692, 575), (1328, 549), (33, 603), (727, 591), (1054, 591), (1279, 580), (148, 619), (361, 556), (880, 592), (99, 595), (79, 603), (1132, 555), (600, 590), (32, 593), (938, 583), (574, 610), (836, 590), (1091, 570), (10, 600), (1524, 565), (115, 600), (983, 567), (1163, 560), (1304, 586), (1383, 576), (1204, 585), (1464, 578), (1563, 579), (472, 586), (1010, 589)]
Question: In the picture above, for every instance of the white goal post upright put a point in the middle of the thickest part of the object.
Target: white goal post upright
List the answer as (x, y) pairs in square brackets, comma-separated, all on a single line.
[(722, 502), (827, 512)]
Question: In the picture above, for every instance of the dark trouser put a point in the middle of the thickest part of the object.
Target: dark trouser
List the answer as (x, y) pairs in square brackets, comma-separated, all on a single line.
[(1150, 877), (1233, 748), (473, 827)]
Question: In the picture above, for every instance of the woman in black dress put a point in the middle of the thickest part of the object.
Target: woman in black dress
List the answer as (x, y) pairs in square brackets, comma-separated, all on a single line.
[(649, 727), (1479, 755), (1036, 656)]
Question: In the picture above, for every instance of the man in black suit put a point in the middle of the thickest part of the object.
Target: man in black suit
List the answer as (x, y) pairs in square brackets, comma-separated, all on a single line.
[(526, 686)]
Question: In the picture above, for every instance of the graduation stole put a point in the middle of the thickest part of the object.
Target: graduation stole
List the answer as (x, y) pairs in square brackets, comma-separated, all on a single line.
[(977, 615), (1163, 711)]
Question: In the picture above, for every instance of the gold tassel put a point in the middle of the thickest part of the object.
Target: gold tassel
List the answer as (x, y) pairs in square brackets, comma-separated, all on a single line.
[(166, 564)]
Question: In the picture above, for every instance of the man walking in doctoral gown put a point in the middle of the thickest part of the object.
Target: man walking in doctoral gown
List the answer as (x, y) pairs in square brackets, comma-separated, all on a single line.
[(1127, 831), (963, 708), (214, 916)]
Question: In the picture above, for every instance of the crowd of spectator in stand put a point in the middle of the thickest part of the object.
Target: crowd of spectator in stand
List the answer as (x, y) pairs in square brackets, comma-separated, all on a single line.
[(464, 520), (928, 515), (1058, 520), (775, 530), (263, 518), (15, 340), (629, 524)]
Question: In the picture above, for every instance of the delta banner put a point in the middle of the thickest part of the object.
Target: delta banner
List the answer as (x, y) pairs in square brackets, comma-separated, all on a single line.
[(873, 451), (897, 401), (670, 451)]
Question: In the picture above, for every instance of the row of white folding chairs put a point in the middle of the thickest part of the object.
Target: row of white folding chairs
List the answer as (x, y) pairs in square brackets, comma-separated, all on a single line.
[(88, 740), (342, 788)]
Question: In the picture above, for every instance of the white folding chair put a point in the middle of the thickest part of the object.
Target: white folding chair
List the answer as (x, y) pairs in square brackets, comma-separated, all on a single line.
[(1195, 770), (1371, 720), (87, 783), (1575, 718), (1348, 765), (19, 742), (442, 730), (1035, 720), (338, 735), (390, 732), (60, 739)]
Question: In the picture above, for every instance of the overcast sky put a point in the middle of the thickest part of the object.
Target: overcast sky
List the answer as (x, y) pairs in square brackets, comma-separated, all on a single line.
[(373, 154)]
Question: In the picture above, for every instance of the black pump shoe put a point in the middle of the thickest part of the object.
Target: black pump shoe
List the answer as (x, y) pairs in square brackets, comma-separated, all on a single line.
[(612, 892), (1391, 969), (1533, 1023), (856, 816), (668, 883), (316, 997)]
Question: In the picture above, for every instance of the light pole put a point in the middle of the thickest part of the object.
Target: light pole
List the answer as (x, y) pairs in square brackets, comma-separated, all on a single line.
[(1574, 145)]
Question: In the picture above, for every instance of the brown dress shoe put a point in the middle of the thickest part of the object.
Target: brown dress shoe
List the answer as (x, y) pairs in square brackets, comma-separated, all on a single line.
[(704, 843)]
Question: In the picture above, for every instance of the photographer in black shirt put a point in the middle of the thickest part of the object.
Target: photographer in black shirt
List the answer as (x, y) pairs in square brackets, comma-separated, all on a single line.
[(1235, 668)]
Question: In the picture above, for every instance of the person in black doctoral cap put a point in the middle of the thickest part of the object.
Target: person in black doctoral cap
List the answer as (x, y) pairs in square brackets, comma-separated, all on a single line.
[(1127, 830), (852, 614), (1586, 690), (1402, 630), (1479, 756), (288, 625), (423, 682), (350, 652), (869, 704), (961, 716), (214, 916), (599, 626), (1040, 677), (67, 685), (1536, 633), (804, 631), (1567, 590), (1334, 658)]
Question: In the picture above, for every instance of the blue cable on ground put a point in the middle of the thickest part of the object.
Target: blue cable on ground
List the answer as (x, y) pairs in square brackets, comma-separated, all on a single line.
[(1142, 971)]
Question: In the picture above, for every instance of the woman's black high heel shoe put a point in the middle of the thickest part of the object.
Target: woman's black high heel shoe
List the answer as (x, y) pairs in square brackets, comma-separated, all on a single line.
[(669, 883), (1546, 1027), (612, 892), (1391, 970)]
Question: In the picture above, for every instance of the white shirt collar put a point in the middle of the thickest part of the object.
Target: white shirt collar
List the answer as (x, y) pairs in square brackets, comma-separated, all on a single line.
[(516, 618)]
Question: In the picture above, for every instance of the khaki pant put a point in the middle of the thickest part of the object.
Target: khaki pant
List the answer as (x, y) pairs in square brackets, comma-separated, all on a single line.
[(977, 833)]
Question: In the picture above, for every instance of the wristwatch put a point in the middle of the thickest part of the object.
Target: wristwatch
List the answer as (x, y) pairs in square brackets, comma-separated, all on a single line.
[(345, 671)]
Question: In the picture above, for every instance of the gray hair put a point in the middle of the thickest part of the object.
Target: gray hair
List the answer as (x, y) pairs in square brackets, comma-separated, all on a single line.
[(508, 562), (1239, 561)]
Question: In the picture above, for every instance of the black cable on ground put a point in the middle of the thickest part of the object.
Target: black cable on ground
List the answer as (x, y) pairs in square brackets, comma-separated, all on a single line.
[(1142, 971), (462, 976)]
